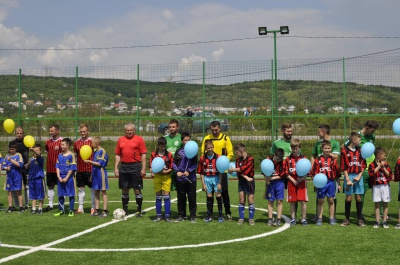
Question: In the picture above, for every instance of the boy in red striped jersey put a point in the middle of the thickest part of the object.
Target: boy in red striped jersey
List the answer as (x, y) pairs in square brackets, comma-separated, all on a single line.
[(53, 149), (327, 165), (83, 173), (297, 186), (210, 179), (352, 164), (246, 185), (380, 174)]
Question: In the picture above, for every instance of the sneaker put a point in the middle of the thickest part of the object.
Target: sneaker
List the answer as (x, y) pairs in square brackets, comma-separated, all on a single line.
[(9, 210), (179, 219), (332, 221), (240, 221), (93, 210), (270, 222), (346, 222), (21, 209), (293, 222), (319, 222), (314, 219), (228, 217), (277, 222), (157, 219), (304, 222), (103, 214), (48, 209), (397, 226), (208, 219), (26, 207), (193, 220), (139, 215), (376, 225), (361, 223), (59, 213), (80, 211), (33, 212), (40, 211), (220, 219), (251, 222), (71, 213), (168, 220), (94, 213), (385, 225)]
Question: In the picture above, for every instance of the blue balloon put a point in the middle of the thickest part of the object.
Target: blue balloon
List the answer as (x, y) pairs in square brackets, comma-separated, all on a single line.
[(267, 167), (157, 164), (303, 166), (232, 165), (396, 126), (191, 149), (320, 180), (222, 164), (367, 150)]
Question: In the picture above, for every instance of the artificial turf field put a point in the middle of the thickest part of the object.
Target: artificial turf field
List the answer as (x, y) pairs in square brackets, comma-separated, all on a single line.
[(82, 239)]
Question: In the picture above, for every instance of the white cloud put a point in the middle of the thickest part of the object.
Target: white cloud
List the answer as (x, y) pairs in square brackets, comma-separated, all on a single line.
[(193, 59), (218, 54), (168, 14)]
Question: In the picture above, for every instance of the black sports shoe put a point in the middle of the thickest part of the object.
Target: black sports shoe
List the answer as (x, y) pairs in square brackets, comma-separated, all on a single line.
[(9, 210), (40, 211), (48, 209), (33, 212), (21, 209)]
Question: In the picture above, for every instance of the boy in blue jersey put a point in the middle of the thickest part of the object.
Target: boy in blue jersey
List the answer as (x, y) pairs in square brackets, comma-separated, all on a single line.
[(36, 178), (99, 177), (65, 168), (13, 164)]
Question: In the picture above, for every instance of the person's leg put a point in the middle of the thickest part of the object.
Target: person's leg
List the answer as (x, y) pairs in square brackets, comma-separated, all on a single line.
[(181, 195), (225, 195), (331, 207), (190, 189), (271, 209), (252, 208), (105, 200), (242, 201), (167, 205), (320, 208)]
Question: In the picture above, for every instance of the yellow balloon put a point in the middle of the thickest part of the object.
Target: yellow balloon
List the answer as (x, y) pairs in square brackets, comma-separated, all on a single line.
[(9, 125), (29, 141), (85, 152)]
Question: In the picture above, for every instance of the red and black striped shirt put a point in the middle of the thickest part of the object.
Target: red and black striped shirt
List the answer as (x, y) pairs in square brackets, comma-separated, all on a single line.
[(246, 165), (290, 165), (53, 149), (326, 165), (82, 166), (397, 171), (352, 161), (379, 177), (208, 166), (278, 167), (167, 157)]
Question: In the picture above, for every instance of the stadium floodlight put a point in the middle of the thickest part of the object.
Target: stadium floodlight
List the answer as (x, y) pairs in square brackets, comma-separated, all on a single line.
[(284, 30), (262, 31)]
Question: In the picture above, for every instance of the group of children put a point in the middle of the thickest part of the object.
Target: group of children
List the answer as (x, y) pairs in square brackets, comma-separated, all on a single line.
[(66, 166)]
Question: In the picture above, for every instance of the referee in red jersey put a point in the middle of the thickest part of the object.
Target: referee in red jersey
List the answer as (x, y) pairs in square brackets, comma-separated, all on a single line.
[(53, 149), (130, 166)]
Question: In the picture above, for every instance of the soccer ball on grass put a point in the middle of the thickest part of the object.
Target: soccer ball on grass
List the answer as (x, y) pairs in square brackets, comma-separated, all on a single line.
[(119, 214)]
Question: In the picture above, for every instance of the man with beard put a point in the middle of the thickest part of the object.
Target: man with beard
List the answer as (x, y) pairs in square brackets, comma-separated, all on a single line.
[(284, 142)]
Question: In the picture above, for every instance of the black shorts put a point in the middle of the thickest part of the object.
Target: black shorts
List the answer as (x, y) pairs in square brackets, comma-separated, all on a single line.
[(83, 179), (51, 179), (224, 180), (130, 176), (24, 176)]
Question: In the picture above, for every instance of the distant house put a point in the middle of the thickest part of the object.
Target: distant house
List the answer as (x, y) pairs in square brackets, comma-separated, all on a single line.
[(38, 103), (29, 102)]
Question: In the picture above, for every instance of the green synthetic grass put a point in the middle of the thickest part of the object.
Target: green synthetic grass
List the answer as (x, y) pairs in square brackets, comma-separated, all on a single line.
[(296, 245)]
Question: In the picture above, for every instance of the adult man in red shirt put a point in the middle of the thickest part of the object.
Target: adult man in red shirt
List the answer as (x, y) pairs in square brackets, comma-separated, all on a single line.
[(53, 149), (130, 166)]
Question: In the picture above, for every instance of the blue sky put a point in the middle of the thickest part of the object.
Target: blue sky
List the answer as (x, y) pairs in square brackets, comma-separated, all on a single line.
[(49, 24)]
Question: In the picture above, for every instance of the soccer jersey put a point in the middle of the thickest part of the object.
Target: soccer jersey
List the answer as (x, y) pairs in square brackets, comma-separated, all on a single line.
[(317, 151), (222, 145), (208, 166), (36, 168), (81, 165), (183, 163), (365, 139), (285, 145), (246, 165), (14, 175), (173, 143), (130, 149), (290, 165), (53, 149), (379, 177), (397, 171), (326, 165), (21, 148), (65, 164), (168, 159), (99, 173), (351, 160), (278, 169)]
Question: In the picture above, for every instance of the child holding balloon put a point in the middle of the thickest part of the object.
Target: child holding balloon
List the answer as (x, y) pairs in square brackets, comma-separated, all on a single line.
[(161, 170), (13, 164), (99, 176), (36, 178), (353, 164), (246, 185), (297, 185), (380, 175), (210, 180), (327, 165)]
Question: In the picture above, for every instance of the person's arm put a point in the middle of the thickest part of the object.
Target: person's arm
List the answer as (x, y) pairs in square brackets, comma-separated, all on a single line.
[(143, 159), (203, 183), (117, 161)]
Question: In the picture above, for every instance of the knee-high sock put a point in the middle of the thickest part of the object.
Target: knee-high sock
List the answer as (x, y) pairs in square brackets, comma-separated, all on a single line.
[(359, 207), (167, 206), (252, 209), (61, 201), (347, 208), (71, 203), (139, 202), (50, 195), (210, 205), (125, 202), (158, 205), (26, 195), (241, 211), (219, 202), (81, 198)]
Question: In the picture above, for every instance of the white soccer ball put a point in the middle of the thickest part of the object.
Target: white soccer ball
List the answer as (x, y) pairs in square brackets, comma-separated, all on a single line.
[(119, 214)]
